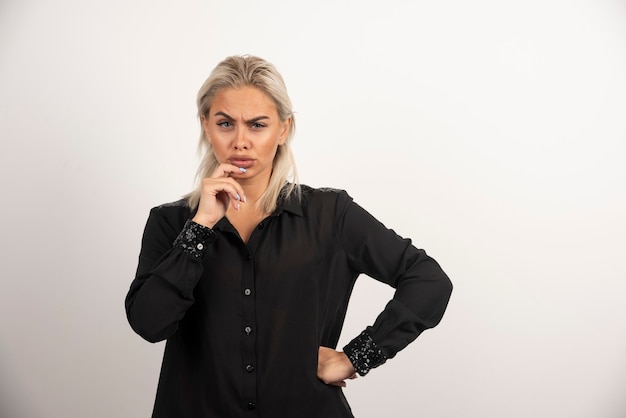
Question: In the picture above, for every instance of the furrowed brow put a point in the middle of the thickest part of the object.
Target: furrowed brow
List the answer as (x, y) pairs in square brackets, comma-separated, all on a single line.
[(247, 122), (224, 115), (255, 120)]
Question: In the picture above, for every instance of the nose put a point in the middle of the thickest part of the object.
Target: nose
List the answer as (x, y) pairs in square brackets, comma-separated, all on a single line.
[(241, 140)]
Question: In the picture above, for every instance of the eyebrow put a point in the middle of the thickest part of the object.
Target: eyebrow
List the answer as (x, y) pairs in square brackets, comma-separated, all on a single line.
[(253, 120)]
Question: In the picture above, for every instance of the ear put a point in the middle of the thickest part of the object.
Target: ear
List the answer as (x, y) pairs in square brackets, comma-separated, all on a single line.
[(205, 128), (286, 125)]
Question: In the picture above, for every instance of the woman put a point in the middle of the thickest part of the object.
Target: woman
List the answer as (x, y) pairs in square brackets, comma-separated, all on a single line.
[(248, 277)]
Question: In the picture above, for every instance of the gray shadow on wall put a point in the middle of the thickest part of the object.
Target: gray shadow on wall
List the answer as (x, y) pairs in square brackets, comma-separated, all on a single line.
[(13, 398)]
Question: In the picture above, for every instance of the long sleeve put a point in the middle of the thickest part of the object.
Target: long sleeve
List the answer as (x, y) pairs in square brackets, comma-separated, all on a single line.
[(240, 318), (422, 287), (170, 265)]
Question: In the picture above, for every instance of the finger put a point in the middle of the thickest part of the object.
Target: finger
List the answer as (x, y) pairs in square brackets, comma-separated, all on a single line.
[(236, 198), (235, 204), (225, 170), (215, 186)]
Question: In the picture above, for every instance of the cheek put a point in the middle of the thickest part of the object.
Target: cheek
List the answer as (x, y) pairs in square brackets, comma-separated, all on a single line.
[(218, 148), (276, 150)]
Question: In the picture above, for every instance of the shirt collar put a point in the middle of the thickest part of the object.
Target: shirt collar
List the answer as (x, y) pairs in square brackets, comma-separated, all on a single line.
[(293, 205)]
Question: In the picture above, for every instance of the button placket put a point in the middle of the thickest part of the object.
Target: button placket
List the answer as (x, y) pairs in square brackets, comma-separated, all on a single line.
[(248, 327)]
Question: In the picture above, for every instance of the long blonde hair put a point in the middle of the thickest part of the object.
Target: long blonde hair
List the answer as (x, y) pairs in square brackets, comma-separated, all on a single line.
[(240, 71)]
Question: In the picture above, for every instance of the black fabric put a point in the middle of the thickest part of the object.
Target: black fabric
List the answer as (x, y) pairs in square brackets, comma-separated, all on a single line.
[(364, 353), (243, 322)]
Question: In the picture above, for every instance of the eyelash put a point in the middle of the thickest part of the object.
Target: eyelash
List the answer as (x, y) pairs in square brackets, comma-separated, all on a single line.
[(228, 124)]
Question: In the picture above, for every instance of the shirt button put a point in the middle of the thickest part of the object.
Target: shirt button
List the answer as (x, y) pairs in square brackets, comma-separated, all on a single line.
[(261, 225), (251, 406), (200, 246), (247, 292), (248, 330), (249, 368)]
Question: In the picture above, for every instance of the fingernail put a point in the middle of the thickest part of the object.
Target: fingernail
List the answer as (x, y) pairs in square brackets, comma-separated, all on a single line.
[(244, 199), (238, 206), (243, 170), (237, 196)]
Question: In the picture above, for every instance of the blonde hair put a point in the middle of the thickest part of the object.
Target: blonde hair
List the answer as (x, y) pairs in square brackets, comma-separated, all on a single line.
[(241, 71)]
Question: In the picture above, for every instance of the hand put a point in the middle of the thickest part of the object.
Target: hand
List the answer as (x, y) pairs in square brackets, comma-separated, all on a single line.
[(334, 367), (218, 191)]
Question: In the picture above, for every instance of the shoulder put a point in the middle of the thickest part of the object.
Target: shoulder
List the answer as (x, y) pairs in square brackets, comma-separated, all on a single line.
[(177, 205), (175, 213), (322, 192), (325, 199)]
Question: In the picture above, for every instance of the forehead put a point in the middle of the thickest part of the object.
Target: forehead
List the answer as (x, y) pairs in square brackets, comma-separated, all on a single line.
[(246, 101)]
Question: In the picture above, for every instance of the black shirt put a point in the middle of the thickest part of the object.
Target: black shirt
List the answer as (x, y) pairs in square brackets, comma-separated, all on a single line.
[(243, 322)]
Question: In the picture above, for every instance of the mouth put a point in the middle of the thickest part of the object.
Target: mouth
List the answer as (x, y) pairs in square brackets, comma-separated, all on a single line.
[(242, 162)]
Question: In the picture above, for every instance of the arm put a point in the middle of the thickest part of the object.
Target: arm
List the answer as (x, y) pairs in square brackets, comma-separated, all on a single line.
[(170, 262), (422, 288), (169, 268)]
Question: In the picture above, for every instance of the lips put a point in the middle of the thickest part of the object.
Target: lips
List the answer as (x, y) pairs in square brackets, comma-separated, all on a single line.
[(245, 162)]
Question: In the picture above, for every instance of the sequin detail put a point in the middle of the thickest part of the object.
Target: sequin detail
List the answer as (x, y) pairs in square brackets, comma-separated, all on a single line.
[(194, 238), (364, 353)]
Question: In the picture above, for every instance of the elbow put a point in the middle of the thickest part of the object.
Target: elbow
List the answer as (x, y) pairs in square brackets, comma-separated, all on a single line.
[(151, 315), (148, 326), (152, 333), (441, 299), (443, 289)]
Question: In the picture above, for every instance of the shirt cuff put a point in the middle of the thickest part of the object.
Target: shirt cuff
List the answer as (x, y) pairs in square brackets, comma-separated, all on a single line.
[(194, 238), (364, 353)]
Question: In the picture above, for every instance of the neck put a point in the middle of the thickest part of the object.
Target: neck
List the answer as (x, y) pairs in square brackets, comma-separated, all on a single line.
[(253, 189)]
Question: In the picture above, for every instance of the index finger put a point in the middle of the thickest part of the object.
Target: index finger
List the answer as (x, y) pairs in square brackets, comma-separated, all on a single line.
[(225, 170)]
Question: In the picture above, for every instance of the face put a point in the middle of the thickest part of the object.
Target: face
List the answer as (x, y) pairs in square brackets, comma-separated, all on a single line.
[(244, 129)]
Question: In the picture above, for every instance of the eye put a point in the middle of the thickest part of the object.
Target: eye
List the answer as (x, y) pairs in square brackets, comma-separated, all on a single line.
[(224, 124), (257, 125)]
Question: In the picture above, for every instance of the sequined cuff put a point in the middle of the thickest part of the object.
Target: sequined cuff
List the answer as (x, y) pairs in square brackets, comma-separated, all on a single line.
[(364, 353), (194, 238)]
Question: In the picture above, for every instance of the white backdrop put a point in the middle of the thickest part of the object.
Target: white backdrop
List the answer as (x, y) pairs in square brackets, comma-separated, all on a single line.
[(492, 133)]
